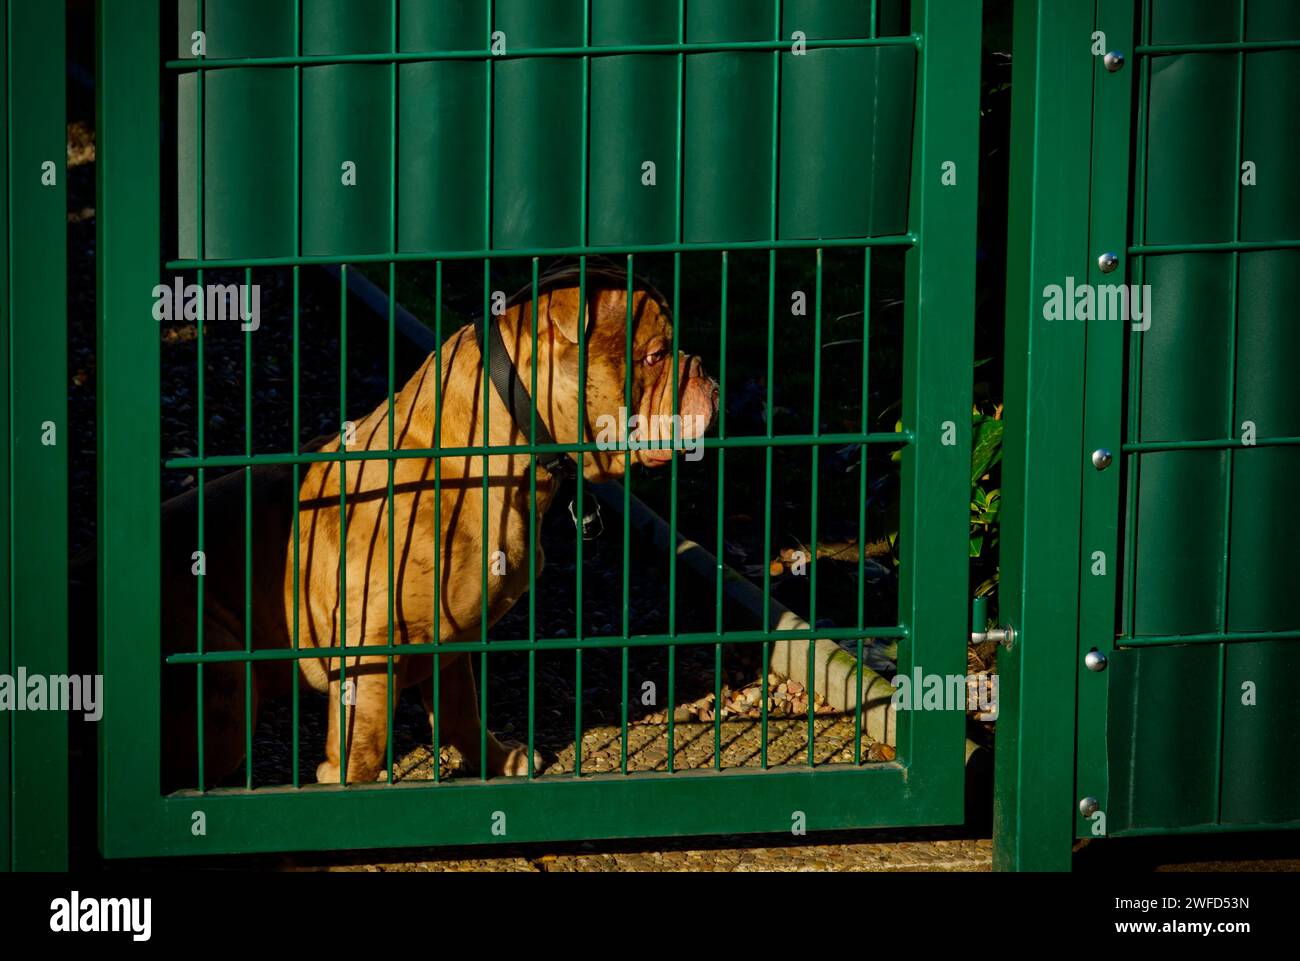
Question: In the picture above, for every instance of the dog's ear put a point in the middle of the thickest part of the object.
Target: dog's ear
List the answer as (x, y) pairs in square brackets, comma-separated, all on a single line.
[(562, 312)]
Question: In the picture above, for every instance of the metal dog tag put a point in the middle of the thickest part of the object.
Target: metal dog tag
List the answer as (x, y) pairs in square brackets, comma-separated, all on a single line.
[(593, 525)]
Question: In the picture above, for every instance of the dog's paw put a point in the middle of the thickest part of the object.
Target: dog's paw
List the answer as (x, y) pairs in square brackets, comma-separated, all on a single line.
[(327, 772), (514, 763), (505, 758)]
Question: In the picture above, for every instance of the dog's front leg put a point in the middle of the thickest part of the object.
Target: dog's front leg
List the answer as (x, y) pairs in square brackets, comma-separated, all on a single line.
[(460, 725), (363, 714)]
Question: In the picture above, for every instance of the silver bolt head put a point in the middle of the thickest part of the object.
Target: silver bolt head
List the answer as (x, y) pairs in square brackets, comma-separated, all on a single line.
[(1101, 458), (1095, 661), (1089, 806), (1108, 262), (1114, 61)]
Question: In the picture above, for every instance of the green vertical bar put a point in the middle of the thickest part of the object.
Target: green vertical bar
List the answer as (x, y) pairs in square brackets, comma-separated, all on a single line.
[(297, 386), (1100, 578), (129, 250), (6, 664), (1231, 405), (532, 526), (862, 479), (343, 523), (248, 531), (1134, 387), (581, 436), (814, 451), (582, 383), (677, 328), (627, 514), (392, 362), (1034, 806), (773, 211), (718, 544), (201, 388), (297, 482), (938, 347), (487, 431), (36, 322), (437, 518), (487, 441)]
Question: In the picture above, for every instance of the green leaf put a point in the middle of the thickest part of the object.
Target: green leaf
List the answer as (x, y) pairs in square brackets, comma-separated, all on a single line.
[(986, 445)]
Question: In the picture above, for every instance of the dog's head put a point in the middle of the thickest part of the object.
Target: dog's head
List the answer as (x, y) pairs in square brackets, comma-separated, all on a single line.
[(648, 430)]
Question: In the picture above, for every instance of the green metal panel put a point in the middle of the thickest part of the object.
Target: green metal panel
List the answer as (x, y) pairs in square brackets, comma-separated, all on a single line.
[(1261, 734), (1100, 568), (729, 106), (539, 178), (345, 108), (1048, 230), (440, 142), (624, 209), (35, 330), (6, 632), (1193, 21), (128, 243), (247, 188), (828, 126), (537, 120), (1163, 737), (1198, 718), (938, 341), (1262, 581)]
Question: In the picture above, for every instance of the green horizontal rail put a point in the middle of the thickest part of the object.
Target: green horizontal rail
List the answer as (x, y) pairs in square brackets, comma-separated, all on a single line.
[(1152, 446), (1227, 637), (402, 257), (1211, 247), (462, 811), (901, 438), (610, 50), (1241, 46), (541, 644)]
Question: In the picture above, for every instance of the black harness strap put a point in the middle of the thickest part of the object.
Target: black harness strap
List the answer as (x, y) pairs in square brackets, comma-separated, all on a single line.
[(515, 396)]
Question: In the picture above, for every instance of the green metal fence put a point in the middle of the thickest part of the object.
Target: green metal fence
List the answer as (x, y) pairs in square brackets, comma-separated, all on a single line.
[(1160, 450), (490, 147), (1149, 502), (33, 461)]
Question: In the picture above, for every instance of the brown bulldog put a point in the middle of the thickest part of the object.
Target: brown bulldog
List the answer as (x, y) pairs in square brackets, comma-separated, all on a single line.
[(421, 553)]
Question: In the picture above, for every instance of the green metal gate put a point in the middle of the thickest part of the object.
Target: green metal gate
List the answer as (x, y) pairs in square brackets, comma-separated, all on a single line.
[(33, 409), (769, 123), (1151, 495)]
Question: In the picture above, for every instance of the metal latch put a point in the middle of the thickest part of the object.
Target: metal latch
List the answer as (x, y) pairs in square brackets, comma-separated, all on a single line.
[(1003, 635)]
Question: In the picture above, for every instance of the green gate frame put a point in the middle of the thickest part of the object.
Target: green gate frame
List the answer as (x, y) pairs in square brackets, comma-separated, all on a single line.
[(925, 786), (1074, 123), (33, 474)]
